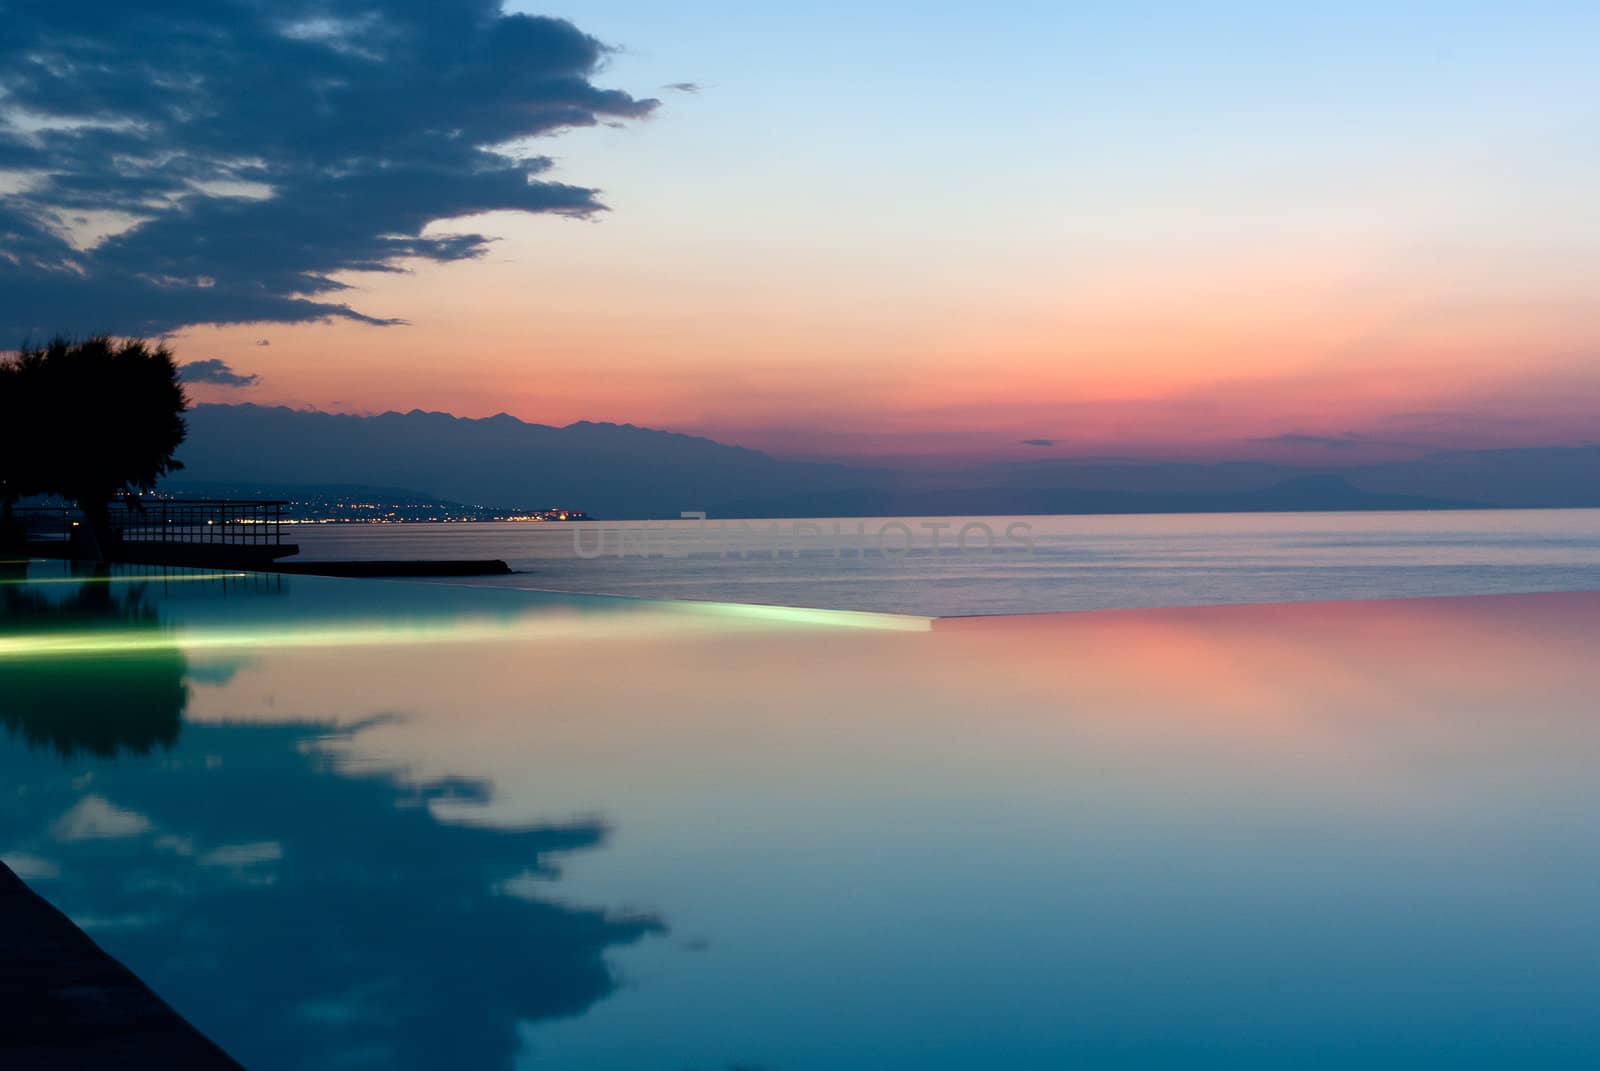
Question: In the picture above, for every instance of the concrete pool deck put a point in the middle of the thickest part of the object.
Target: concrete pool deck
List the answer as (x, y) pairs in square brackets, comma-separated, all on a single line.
[(68, 1004)]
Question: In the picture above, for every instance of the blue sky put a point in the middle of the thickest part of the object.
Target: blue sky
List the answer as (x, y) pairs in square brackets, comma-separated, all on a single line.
[(894, 228)]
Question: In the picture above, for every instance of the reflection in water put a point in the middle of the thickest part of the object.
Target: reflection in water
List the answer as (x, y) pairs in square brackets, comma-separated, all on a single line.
[(310, 915), (303, 911), (1355, 835), (102, 703)]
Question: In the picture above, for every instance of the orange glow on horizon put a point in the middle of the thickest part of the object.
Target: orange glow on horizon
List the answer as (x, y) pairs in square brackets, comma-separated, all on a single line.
[(1153, 356)]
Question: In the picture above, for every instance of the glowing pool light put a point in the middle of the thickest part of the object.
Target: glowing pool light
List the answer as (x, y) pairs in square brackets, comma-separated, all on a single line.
[(129, 578)]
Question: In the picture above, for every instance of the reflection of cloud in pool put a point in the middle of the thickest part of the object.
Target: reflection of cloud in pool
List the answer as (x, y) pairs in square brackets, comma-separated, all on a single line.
[(30, 867), (243, 855), (216, 670), (96, 818), (385, 937)]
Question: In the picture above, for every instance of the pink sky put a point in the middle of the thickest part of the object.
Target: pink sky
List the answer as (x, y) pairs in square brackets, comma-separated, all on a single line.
[(969, 361), (1115, 234)]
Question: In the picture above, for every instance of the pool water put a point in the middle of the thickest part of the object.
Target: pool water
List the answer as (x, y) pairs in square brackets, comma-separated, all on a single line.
[(344, 823)]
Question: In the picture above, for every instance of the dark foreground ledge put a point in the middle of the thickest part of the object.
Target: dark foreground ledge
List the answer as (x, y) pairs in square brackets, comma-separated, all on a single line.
[(483, 567), (65, 1004)]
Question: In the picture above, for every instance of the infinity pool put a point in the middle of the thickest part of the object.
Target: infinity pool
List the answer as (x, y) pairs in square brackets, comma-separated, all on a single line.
[(381, 824)]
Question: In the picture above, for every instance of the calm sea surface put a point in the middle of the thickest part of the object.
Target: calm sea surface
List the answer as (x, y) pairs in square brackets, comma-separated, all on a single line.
[(996, 565)]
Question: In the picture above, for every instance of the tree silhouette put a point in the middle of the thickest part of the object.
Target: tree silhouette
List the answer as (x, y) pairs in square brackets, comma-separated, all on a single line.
[(99, 417), (13, 450)]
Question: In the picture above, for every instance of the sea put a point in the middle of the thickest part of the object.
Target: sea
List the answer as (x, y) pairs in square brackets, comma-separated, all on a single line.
[(962, 566)]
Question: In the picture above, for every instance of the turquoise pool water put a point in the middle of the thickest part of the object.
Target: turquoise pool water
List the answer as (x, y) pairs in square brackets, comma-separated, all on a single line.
[(370, 824)]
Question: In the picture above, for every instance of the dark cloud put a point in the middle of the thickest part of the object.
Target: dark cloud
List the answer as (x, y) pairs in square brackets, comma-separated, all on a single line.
[(1036, 442), (1345, 441), (1332, 442), (250, 151), (216, 372), (684, 87)]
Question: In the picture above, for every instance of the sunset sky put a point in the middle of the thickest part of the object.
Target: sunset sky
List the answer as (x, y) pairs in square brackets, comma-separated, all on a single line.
[(911, 229)]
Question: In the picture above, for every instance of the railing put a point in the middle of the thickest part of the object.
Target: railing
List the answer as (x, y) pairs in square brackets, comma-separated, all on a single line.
[(233, 522), (45, 524), (220, 521)]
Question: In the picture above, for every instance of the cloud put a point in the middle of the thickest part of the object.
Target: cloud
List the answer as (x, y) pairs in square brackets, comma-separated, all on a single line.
[(217, 372), (96, 818), (271, 148), (1036, 442), (1345, 441), (684, 87), (263, 342), (30, 867), (244, 855), (1292, 438)]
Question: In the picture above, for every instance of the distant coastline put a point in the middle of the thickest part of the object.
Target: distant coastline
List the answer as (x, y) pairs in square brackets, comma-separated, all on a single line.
[(360, 504), (456, 467), (564, 518)]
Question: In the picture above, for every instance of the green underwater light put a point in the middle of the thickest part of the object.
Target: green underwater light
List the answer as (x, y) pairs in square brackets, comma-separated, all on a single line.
[(138, 641), (802, 616), (132, 578), (655, 622)]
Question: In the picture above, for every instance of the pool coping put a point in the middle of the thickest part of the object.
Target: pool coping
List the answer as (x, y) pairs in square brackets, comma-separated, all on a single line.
[(67, 1003)]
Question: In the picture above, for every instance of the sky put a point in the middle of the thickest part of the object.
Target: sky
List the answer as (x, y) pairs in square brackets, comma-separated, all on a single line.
[(892, 230)]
